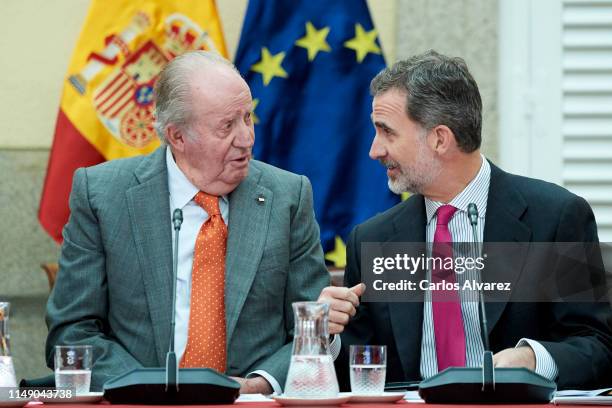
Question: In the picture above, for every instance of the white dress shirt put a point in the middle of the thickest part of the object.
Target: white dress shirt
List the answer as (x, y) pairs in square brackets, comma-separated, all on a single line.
[(182, 193), (477, 192)]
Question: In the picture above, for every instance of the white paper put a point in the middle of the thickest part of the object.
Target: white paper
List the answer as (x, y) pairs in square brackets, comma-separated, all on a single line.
[(582, 393), (582, 401), (253, 398), (586, 397), (413, 396)]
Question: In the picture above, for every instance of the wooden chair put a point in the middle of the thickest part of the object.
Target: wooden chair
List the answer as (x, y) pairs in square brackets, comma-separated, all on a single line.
[(51, 271)]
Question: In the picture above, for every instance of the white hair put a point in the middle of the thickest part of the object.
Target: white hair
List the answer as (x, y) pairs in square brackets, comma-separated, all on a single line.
[(173, 89)]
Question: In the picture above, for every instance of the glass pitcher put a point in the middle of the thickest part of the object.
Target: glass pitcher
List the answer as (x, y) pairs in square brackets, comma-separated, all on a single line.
[(7, 369), (311, 373)]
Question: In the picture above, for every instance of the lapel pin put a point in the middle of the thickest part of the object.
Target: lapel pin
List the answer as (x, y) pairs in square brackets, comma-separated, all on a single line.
[(261, 199)]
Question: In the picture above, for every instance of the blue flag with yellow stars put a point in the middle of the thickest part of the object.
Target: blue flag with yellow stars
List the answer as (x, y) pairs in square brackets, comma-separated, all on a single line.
[(309, 64)]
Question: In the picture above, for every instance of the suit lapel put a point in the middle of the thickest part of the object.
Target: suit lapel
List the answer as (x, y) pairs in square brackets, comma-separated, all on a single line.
[(149, 211), (407, 317), (505, 207), (249, 215)]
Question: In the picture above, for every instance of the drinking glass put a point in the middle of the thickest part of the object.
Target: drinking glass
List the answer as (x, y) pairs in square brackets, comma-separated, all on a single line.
[(368, 369), (7, 369), (73, 367)]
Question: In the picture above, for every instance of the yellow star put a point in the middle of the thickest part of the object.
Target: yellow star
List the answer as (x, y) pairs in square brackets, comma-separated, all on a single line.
[(363, 43), (314, 41), (255, 118), (269, 66), (338, 255)]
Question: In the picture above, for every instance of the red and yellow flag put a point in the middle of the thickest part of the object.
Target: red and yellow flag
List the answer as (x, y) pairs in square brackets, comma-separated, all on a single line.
[(106, 109)]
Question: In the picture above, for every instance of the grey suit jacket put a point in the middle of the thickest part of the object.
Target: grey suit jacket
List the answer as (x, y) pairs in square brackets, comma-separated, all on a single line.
[(114, 287)]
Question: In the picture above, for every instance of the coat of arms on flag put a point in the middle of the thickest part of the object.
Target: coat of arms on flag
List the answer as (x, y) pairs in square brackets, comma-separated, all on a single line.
[(123, 101), (107, 109)]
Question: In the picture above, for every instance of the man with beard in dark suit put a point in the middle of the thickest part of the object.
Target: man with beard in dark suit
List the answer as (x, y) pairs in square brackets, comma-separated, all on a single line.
[(427, 116)]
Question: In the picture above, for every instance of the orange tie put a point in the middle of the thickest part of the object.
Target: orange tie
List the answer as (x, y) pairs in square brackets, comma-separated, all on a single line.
[(206, 338)]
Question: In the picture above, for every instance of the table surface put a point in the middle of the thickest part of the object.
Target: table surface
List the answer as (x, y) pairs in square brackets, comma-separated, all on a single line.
[(276, 405)]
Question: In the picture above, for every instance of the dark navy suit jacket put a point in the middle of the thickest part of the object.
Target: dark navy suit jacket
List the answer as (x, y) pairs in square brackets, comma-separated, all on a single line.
[(519, 209)]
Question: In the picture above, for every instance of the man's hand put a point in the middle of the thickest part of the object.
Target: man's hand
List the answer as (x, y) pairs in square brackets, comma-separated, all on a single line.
[(342, 305), (254, 385), (516, 357)]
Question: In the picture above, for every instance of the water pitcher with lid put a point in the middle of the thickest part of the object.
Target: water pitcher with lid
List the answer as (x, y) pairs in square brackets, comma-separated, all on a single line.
[(311, 373), (7, 369)]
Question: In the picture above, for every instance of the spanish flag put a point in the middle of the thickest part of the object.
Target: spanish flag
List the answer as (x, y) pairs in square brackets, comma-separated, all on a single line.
[(106, 109)]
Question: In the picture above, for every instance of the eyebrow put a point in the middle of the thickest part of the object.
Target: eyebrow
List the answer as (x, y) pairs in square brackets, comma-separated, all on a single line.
[(382, 125)]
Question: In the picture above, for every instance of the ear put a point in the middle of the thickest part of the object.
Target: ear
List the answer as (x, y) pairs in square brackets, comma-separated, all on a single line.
[(442, 139), (175, 137)]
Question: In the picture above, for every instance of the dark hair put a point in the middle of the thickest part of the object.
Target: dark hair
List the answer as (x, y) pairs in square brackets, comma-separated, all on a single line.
[(440, 91)]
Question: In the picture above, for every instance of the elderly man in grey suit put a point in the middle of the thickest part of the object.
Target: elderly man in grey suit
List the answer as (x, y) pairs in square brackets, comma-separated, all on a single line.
[(249, 245)]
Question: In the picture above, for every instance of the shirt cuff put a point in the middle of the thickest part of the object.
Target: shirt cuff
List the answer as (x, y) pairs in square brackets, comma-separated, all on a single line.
[(276, 388), (545, 364), (334, 347)]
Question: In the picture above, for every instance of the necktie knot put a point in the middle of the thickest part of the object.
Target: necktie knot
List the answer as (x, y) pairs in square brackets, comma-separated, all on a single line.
[(445, 213), (208, 202)]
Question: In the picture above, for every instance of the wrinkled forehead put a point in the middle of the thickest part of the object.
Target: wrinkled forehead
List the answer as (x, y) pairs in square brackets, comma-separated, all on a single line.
[(218, 87), (218, 76), (391, 102)]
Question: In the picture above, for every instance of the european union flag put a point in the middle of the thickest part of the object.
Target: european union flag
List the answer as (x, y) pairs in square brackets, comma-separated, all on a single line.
[(309, 64)]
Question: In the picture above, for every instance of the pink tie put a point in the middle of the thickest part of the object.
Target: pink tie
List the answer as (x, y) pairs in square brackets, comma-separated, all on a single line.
[(446, 306)]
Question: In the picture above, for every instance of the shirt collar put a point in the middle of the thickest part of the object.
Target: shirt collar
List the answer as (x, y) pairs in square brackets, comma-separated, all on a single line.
[(181, 189), (477, 192)]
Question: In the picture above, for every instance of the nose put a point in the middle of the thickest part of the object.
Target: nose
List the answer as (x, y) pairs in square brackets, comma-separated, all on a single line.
[(377, 150), (245, 136)]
